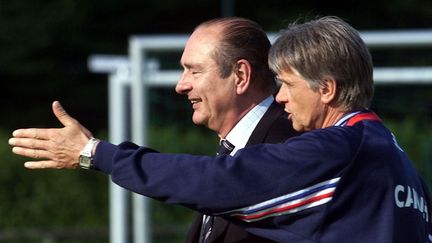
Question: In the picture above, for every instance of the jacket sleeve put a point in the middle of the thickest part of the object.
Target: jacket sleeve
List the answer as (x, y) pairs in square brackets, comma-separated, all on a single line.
[(218, 184)]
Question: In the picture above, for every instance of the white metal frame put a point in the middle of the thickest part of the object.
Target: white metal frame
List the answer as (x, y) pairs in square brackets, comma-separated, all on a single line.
[(138, 72)]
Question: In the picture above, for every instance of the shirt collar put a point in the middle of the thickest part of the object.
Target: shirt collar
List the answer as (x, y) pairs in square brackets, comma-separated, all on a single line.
[(241, 132)]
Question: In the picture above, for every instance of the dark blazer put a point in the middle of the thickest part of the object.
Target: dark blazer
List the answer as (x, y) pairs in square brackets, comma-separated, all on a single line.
[(274, 127)]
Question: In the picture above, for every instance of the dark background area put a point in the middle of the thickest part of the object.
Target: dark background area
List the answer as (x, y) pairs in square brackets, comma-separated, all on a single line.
[(44, 47)]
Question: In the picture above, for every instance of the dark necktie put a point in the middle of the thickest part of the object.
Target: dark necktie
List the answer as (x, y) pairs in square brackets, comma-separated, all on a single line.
[(225, 147)]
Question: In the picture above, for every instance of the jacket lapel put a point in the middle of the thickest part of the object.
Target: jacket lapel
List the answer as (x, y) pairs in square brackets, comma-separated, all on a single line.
[(274, 112)]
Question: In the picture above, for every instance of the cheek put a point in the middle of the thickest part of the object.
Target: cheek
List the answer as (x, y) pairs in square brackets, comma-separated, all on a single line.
[(296, 99), (208, 85), (217, 101), (285, 92), (300, 106)]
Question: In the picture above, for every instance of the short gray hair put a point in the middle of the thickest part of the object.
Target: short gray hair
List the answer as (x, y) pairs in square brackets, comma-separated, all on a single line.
[(324, 48)]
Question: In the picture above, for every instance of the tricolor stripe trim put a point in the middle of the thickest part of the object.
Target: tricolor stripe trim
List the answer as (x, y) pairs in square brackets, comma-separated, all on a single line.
[(290, 203), (344, 119)]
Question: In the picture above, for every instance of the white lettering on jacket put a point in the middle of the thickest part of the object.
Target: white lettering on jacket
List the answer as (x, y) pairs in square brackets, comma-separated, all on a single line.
[(407, 197)]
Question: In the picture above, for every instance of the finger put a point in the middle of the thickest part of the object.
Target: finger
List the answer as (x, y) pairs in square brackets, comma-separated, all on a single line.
[(37, 133), (62, 115), (31, 153), (46, 164), (29, 143)]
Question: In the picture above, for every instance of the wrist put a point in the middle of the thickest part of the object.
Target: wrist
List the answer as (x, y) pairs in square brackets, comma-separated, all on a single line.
[(87, 154)]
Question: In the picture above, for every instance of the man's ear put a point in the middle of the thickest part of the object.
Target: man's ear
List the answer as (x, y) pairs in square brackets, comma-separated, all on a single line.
[(328, 90), (242, 72)]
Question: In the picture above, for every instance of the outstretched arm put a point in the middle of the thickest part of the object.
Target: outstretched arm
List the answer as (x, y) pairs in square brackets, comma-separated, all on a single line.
[(52, 147)]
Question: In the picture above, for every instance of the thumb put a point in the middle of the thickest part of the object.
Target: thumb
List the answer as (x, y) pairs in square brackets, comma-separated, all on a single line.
[(62, 115)]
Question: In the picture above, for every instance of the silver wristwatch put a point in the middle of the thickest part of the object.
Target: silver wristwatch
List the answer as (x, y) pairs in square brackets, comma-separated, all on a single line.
[(86, 155)]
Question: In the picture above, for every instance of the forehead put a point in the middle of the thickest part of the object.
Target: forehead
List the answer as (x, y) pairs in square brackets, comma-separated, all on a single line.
[(289, 72), (200, 46)]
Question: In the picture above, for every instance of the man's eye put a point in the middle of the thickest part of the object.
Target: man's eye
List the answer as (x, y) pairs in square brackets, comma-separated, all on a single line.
[(278, 82)]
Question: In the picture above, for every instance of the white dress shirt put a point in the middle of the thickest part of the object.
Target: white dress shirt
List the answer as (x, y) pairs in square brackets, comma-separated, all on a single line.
[(241, 132)]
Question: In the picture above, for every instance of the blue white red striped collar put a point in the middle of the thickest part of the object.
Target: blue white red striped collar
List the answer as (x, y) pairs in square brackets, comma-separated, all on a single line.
[(352, 118), (343, 121)]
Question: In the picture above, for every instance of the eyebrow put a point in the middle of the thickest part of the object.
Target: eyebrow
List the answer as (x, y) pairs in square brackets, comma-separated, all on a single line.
[(278, 79), (190, 65)]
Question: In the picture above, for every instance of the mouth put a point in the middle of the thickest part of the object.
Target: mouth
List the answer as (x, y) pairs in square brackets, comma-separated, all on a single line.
[(289, 114), (195, 102)]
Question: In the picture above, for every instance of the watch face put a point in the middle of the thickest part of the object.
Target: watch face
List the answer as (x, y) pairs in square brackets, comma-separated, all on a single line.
[(85, 162)]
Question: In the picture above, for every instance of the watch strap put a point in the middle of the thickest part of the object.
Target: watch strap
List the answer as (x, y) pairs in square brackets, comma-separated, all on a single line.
[(87, 154)]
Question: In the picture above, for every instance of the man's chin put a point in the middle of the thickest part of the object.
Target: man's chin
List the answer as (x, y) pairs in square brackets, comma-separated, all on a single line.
[(297, 127), (199, 121)]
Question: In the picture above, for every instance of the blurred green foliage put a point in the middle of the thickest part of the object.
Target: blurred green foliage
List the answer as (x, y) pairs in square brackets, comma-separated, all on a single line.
[(78, 199), (44, 46), (48, 200)]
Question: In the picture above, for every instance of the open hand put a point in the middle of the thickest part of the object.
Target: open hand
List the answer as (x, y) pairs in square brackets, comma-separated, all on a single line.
[(53, 147)]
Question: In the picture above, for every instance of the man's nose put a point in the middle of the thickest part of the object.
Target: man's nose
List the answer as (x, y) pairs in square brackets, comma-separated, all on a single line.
[(183, 86), (280, 98)]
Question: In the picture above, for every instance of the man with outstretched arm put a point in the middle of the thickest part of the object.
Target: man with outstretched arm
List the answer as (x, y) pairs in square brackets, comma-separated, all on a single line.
[(344, 180), (231, 88)]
